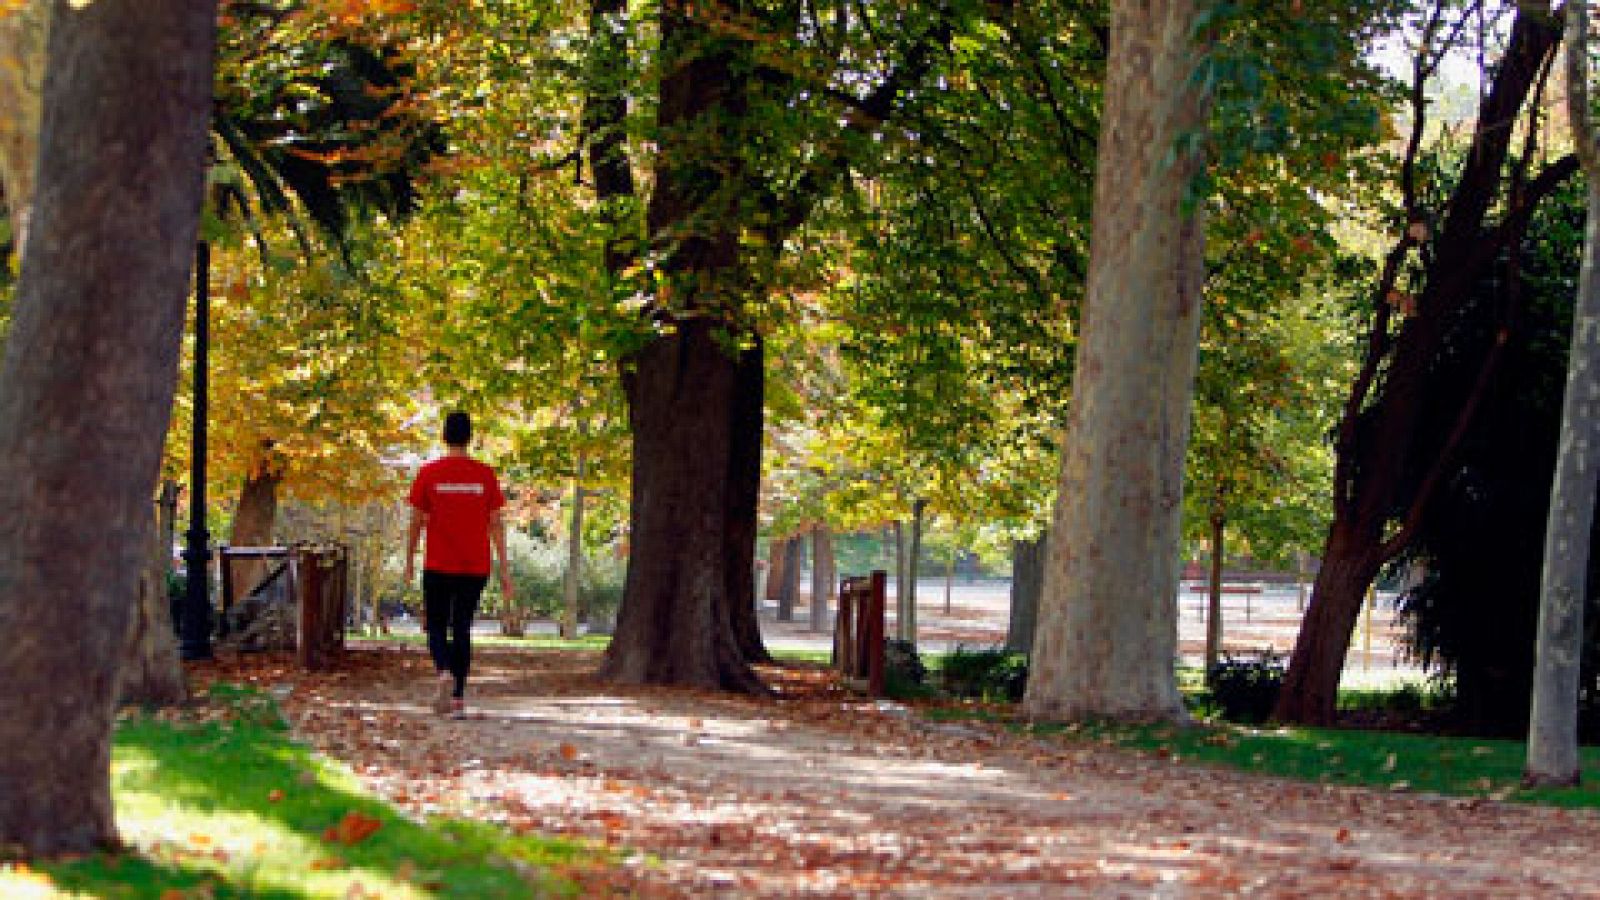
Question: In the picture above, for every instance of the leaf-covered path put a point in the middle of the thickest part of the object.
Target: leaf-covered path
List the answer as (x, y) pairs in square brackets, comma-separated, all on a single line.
[(815, 793)]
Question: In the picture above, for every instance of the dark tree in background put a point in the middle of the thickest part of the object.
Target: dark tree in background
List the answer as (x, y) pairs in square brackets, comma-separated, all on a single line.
[(1480, 545)]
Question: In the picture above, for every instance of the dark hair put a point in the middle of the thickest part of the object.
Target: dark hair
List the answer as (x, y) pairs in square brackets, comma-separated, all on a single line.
[(458, 429)]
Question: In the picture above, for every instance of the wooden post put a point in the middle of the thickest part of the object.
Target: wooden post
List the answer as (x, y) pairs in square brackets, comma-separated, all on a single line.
[(875, 603), (844, 632)]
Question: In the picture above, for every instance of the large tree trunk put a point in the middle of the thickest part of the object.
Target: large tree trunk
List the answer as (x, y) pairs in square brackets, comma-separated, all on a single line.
[(1377, 441), (86, 394), (152, 674), (1553, 757), (1027, 579), (673, 627), (23, 34), (822, 575), (1107, 634), (1311, 686), (253, 521)]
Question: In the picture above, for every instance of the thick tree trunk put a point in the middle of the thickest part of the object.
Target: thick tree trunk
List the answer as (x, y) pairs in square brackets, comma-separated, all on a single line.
[(1553, 755), (574, 576), (86, 394), (1027, 579), (822, 576), (152, 674), (254, 518), (673, 627), (1311, 686), (1108, 618), (23, 34), (1376, 446), (1214, 594)]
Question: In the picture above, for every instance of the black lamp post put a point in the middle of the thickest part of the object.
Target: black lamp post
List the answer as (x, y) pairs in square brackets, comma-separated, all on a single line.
[(195, 622)]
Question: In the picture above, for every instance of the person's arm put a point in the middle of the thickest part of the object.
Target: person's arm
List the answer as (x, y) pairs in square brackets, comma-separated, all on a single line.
[(419, 521), (497, 539)]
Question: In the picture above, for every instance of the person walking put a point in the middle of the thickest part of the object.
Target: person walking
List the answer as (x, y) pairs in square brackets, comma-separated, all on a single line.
[(457, 501)]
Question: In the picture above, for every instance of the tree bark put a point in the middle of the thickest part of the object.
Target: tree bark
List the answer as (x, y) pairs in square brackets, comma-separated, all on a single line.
[(777, 556), (1214, 592), (1311, 686), (1376, 444), (673, 627), (822, 575), (1107, 635), (1027, 579), (913, 567), (253, 520), (744, 499), (903, 590), (574, 576), (23, 35), (86, 393), (1553, 755), (152, 674), (789, 591)]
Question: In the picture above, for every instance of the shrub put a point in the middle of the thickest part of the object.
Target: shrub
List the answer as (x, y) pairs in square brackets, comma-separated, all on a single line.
[(987, 674), (1246, 689)]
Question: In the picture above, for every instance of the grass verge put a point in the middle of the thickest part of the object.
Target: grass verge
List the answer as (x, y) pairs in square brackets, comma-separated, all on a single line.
[(219, 802), (1387, 760)]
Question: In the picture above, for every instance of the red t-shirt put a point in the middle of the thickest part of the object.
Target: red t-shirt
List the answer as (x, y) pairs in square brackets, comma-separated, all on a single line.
[(458, 494)]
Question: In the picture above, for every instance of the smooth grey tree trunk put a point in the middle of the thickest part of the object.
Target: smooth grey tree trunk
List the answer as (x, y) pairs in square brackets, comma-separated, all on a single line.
[(1553, 757), (86, 391), (1107, 635)]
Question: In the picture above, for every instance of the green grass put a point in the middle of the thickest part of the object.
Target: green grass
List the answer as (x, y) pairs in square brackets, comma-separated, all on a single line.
[(1380, 759), (231, 807)]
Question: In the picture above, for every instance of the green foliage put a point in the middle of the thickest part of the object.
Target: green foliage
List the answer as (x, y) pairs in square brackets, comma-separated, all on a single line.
[(989, 674), (904, 673), (224, 804), (539, 576), (1245, 689)]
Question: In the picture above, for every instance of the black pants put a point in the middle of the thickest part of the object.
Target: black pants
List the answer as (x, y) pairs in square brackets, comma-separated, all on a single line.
[(450, 603)]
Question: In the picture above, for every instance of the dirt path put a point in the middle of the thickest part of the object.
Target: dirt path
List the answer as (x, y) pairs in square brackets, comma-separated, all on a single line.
[(818, 794)]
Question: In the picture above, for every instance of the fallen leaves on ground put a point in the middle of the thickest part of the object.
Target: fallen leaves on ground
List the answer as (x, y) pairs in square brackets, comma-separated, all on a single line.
[(816, 792)]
